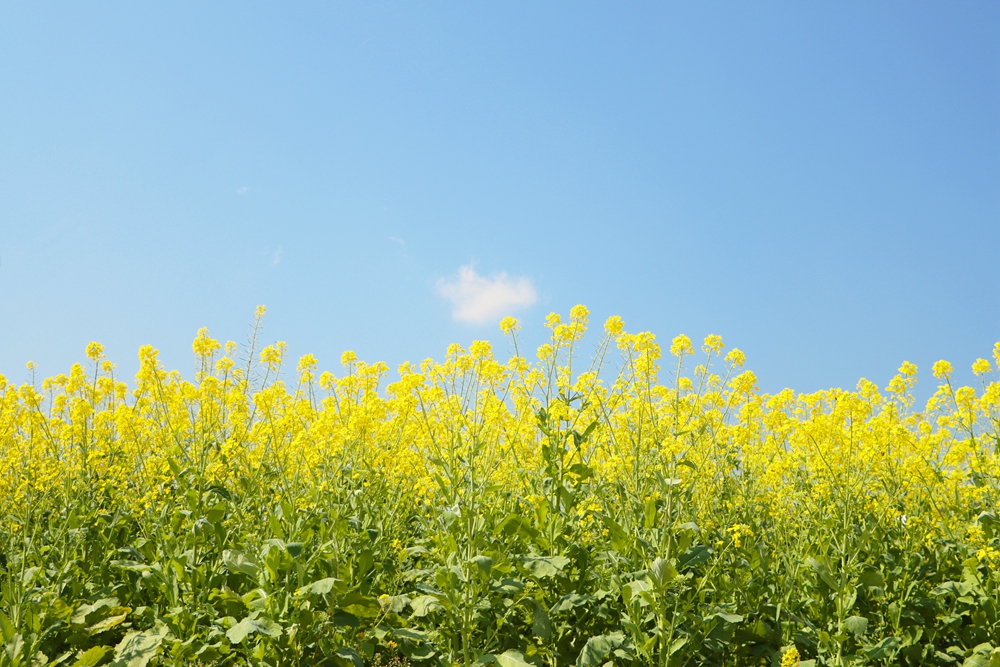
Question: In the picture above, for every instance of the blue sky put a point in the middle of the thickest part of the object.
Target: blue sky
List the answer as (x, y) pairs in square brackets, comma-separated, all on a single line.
[(819, 184)]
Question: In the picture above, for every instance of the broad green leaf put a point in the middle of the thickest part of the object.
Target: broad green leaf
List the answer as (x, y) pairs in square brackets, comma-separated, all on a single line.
[(662, 572), (249, 626), (484, 563), (571, 601), (412, 635), (649, 513), (856, 625), (237, 563), (13, 649), (93, 656), (728, 617), (320, 587), (823, 571), (695, 556), (424, 605), (6, 627), (116, 616), (549, 566), (138, 648), (89, 611), (620, 540), (634, 588), (217, 512), (131, 565), (884, 649), (512, 658), (872, 578), (598, 648), (541, 626), (347, 657)]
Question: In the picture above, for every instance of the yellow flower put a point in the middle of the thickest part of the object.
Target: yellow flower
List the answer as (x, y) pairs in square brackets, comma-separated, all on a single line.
[(681, 345), (790, 658), (307, 362), (941, 369), (273, 354), (508, 325), (713, 342), (614, 325), (736, 357), (981, 367), (94, 351), (348, 357), (204, 346)]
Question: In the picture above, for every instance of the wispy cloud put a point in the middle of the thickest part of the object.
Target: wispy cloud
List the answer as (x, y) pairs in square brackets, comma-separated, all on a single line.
[(479, 300), (243, 190), (398, 240), (276, 258)]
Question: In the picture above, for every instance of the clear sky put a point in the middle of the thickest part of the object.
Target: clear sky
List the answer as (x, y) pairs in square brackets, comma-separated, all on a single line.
[(819, 183)]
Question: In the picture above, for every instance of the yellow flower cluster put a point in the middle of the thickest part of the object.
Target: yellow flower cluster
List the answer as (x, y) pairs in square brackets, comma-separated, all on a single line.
[(710, 431)]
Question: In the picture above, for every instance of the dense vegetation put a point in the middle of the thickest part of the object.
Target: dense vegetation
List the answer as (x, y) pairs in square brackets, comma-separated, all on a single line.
[(478, 511)]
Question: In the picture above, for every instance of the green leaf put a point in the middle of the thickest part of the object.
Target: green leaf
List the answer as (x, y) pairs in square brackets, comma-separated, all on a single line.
[(872, 578), (649, 513), (6, 627), (512, 658), (217, 512), (320, 587), (484, 563), (728, 617), (542, 567), (662, 572), (823, 571), (86, 613), (620, 540), (424, 605), (347, 657), (634, 588), (856, 625), (138, 648), (977, 660), (237, 563), (695, 556), (116, 616), (541, 626), (13, 649), (598, 648), (884, 649), (93, 656), (249, 626), (412, 635), (516, 524)]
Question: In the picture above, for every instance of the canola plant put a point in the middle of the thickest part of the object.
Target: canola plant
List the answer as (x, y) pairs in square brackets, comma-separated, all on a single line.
[(605, 505)]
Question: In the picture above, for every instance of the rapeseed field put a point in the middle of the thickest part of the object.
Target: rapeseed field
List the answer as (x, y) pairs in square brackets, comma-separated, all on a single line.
[(589, 504)]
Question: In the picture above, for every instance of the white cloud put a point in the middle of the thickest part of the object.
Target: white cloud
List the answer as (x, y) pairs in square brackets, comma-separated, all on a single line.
[(395, 239), (276, 258), (480, 300), (243, 190)]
